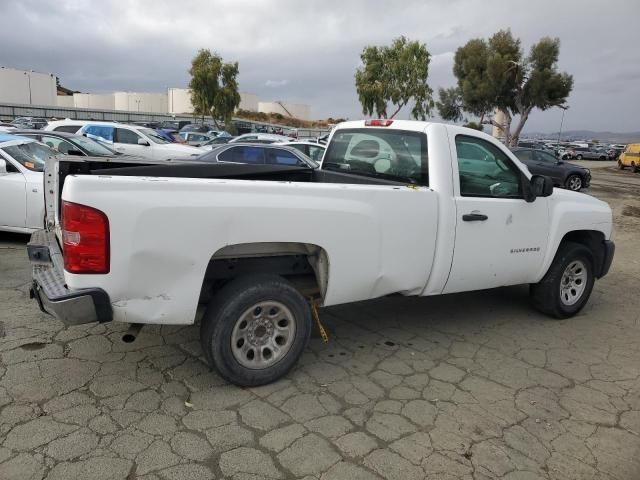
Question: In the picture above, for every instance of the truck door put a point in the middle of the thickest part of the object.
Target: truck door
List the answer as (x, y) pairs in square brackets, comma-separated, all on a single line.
[(500, 238), (13, 200)]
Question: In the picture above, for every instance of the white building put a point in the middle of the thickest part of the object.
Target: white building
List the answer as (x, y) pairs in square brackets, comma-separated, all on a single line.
[(27, 87), (295, 110)]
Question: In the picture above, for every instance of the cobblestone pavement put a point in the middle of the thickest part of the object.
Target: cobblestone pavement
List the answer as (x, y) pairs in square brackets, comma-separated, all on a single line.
[(469, 386)]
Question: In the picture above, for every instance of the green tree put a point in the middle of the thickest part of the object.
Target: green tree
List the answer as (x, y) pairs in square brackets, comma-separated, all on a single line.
[(494, 75), (396, 75), (214, 86)]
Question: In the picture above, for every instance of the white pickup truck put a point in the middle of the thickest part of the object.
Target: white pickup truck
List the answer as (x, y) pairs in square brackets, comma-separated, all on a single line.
[(405, 207)]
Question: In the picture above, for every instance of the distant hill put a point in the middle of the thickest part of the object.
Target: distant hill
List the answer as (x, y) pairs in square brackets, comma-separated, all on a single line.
[(612, 137)]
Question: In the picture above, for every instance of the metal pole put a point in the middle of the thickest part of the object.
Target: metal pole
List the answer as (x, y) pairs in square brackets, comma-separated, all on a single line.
[(29, 79), (564, 109)]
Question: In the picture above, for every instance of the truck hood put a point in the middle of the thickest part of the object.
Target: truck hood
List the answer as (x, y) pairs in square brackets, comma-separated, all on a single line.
[(584, 211)]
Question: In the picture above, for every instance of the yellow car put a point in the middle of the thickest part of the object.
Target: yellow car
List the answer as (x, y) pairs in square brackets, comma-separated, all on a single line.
[(630, 157)]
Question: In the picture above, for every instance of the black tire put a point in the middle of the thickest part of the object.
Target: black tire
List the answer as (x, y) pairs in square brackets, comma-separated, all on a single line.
[(546, 294), (579, 157), (634, 168), (225, 310), (620, 165), (574, 182), (603, 158)]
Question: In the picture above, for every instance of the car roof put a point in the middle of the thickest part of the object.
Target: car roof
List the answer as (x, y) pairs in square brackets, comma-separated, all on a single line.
[(45, 132)]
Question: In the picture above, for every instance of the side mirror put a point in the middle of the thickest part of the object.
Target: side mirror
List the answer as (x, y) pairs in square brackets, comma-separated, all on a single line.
[(142, 141), (539, 186), (3, 166)]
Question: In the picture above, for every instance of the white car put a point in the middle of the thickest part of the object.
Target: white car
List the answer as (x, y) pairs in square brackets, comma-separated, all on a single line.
[(313, 150), (260, 138), (128, 139), (397, 207), (22, 161)]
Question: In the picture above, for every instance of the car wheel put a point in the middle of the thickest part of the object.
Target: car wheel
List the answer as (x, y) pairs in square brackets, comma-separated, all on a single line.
[(634, 168), (620, 165), (574, 182), (602, 158), (255, 329), (567, 285), (579, 157)]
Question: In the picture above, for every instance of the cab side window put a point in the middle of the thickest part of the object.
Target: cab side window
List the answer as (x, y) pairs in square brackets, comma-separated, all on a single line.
[(126, 136), (485, 170)]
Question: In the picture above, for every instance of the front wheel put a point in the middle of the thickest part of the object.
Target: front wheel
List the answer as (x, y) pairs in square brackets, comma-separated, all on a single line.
[(567, 286), (255, 329), (620, 165), (634, 168), (574, 182)]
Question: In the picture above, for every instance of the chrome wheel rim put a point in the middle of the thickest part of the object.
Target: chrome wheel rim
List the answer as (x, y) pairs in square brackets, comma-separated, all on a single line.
[(573, 283), (263, 335), (575, 183)]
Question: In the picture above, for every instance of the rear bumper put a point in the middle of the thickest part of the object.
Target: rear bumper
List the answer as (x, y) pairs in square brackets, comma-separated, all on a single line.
[(609, 248), (72, 307)]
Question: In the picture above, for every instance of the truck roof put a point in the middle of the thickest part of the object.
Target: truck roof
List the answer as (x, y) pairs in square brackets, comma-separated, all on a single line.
[(411, 125)]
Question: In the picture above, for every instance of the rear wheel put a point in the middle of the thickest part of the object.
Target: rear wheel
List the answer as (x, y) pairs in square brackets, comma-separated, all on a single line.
[(574, 182), (255, 329), (566, 287), (579, 157)]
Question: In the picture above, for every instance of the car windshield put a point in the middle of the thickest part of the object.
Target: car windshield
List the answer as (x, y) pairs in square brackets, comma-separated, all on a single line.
[(393, 154), (154, 136), (30, 155), (92, 147)]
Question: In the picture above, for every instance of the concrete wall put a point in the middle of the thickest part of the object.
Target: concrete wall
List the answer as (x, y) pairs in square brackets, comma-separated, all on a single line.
[(92, 100), (179, 101), (248, 101), (295, 110), (140, 102), (27, 87), (65, 101)]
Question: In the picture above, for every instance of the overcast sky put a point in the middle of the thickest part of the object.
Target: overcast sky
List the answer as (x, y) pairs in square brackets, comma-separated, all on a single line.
[(307, 51)]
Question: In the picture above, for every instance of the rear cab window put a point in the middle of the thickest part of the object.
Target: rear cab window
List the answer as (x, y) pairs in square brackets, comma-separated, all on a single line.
[(376, 152)]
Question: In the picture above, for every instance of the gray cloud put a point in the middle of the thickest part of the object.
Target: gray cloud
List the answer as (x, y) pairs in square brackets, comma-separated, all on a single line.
[(315, 46)]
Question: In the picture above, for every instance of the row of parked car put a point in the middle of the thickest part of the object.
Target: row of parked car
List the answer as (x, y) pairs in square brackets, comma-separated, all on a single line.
[(577, 150)]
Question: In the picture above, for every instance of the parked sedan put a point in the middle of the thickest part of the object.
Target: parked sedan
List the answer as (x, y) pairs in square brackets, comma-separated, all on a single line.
[(564, 174), (21, 197), (68, 143), (257, 154)]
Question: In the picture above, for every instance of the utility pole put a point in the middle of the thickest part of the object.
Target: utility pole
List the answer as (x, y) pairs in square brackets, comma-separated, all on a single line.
[(29, 83), (564, 109)]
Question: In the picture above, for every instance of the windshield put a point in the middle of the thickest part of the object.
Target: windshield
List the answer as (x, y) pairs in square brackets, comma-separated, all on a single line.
[(92, 147), (30, 155), (393, 154), (154, 136)]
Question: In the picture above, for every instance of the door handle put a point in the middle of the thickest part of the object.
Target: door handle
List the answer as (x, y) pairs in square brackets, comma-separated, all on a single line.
[(474, 217)]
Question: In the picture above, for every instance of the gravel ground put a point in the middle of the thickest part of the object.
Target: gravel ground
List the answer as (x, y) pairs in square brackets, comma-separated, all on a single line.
[(467, 386)]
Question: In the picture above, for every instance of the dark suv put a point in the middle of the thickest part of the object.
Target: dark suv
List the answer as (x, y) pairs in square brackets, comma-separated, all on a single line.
[(564, 174)]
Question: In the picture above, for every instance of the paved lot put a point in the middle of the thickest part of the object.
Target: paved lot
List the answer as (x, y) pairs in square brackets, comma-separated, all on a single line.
[(470, 386)]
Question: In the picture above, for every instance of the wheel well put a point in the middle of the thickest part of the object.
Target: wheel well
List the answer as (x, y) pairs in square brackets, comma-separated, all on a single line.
[(305, 265), (593, 240)]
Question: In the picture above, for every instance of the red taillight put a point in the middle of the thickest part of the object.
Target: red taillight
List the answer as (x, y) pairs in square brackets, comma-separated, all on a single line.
[(378, 123), (85, 239)]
